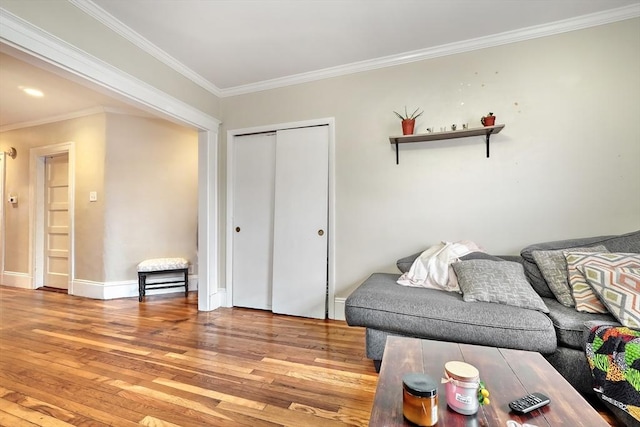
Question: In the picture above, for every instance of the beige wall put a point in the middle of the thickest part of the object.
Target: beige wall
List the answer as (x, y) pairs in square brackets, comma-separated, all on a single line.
[(566, 164), (151, 193), (145, 174), (69, 23), (88, 134)]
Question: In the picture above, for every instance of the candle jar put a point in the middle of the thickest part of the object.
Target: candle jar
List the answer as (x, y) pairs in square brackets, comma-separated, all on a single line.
[(420, 399), (462, 381)]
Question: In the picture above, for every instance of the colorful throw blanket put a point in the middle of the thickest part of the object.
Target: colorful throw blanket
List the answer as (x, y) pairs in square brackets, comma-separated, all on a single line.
[(614, 357)]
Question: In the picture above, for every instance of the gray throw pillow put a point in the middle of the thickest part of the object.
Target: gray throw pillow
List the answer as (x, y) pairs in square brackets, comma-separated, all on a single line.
[(553, 266), (629, 242), (498, 282)]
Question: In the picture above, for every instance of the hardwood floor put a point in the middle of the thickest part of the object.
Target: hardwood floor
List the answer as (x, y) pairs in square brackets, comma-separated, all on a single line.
[(66, 360)]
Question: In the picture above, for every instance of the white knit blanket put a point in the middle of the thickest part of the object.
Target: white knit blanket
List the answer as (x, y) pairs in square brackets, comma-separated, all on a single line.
[(432, 269)]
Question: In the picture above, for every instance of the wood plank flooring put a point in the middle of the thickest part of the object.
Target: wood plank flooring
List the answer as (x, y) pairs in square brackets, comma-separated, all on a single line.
[(67, 360), (70, 361)]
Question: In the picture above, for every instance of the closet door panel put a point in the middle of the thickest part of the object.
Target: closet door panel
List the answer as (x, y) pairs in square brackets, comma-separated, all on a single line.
[(300, 222), (253, 196)]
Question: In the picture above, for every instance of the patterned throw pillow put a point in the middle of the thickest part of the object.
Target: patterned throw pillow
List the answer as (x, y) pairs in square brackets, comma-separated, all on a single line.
[(500, 282), (553, 266), (618, 289), (582, 293)]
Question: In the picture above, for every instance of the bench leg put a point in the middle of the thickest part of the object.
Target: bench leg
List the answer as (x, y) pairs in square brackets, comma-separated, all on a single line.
[(142, 279), (186, 282)]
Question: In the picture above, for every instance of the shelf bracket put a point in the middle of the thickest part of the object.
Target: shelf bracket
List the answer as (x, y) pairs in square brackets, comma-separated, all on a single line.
[(397, 154), (488, 138)]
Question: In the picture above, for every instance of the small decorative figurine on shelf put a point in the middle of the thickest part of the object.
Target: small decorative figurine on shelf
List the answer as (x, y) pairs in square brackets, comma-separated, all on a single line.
[(489, 120), (454, 126), (408, 120)]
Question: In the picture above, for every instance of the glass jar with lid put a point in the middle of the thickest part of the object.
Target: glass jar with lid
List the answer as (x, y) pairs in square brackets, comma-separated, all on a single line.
[(420, 399), (462, 382)]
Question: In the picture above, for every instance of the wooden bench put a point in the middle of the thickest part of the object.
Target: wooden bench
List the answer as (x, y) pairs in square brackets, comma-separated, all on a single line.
[(163, 266)]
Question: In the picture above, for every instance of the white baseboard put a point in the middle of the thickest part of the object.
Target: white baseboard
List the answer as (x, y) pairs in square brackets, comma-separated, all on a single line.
[(16, 280), (338, 305), (219, 299), (121, 289)]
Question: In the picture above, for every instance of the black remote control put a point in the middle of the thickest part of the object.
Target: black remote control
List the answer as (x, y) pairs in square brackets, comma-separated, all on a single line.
[(529, 403)]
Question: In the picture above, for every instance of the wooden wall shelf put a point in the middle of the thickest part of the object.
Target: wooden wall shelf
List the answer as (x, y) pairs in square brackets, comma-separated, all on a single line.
[(437, 136)]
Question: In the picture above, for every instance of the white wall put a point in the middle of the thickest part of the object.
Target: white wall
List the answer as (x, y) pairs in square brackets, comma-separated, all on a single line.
[(88, 134), (151, 193), (566, 164), (145, 174)]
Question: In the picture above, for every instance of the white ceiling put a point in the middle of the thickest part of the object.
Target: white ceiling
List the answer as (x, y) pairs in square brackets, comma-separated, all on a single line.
[(241, 42), (63, 97), (226, 45)]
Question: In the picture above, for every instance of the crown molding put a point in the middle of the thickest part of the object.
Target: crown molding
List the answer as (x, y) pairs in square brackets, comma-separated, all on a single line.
[(553, 28), (28, 38), (528, 33), (53, 119), (75, 115), (95, 11)]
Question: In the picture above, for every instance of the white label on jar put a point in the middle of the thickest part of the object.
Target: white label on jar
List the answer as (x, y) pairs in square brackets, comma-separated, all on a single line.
[(463, 399)]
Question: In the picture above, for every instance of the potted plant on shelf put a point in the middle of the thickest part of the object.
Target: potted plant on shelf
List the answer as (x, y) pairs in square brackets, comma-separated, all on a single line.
[(408, 120), (489, 120)]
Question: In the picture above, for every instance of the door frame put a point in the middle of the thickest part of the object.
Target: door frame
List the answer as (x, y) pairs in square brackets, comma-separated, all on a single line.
[(37, 208), (33, 42), (3, 159), (231, 135)]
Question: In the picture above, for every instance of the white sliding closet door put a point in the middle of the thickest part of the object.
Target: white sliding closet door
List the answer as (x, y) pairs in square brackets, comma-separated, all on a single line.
[(300, 222), (253, 195)]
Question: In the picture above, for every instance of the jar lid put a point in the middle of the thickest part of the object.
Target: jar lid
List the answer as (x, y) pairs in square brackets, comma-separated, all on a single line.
[(461, 371), (420, 385)]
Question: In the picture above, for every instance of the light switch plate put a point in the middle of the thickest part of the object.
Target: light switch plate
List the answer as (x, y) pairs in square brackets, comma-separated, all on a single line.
[(93, 196)]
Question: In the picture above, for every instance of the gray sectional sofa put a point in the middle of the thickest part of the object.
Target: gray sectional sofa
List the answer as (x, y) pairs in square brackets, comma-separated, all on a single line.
[(385, 308)]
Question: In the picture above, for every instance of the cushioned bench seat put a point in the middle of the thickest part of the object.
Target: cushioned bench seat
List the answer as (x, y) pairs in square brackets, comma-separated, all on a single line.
[(433, 314), (164, 267)]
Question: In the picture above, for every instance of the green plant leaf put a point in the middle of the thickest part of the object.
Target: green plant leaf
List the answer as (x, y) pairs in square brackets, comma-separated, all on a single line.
[(408, 116)]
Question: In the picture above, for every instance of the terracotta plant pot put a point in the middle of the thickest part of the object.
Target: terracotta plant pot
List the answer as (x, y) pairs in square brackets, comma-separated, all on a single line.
[(407, 126), (488, 120)]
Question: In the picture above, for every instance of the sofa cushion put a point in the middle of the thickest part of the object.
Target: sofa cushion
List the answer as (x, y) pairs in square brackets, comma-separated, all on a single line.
[(618, 289), (569, 323), (553, 266), (497, 282), (380, 303), (629, 242), (582, 293), (404, 264)]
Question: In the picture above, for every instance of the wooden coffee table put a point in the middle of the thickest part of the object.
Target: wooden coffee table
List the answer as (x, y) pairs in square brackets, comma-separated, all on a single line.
[(508, 374)]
